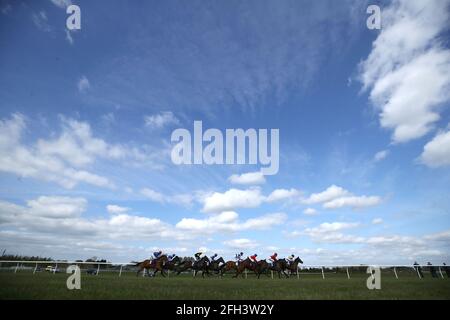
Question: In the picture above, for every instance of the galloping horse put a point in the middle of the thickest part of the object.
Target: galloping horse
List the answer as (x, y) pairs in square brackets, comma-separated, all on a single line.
[(229, 265), (215, 265), (201, 265), (279, 266), (156, 264), (172, 265), (183, 266), (246, 264), (293, 266)]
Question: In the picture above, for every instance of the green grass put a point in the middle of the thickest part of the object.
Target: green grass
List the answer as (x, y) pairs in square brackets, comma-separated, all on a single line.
[(25, 285)]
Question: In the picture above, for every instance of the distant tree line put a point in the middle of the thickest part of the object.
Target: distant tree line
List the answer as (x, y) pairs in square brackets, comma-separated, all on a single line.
[(17, 257)]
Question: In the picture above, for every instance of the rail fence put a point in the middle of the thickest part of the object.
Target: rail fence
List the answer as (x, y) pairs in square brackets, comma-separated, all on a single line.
[(96, 268)]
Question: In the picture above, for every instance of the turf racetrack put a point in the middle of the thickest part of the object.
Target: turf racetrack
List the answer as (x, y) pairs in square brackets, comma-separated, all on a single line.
[(108, 285)]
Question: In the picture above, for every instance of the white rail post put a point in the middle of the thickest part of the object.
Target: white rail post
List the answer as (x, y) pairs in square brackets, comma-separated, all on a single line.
[(17, 267), (271, 273), (143, 272), (348, 274), (395, 272), (298, 276), (245, 273), (120, 272), (323, 274), (440, 271), (98, 269), (35, 268)]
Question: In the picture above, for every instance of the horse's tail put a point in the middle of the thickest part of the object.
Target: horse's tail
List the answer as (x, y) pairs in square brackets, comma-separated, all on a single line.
[(136, 263)]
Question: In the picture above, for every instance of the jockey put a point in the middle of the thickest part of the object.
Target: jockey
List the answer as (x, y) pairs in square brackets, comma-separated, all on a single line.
[(213, 257), (253, 258), (273, 258), (171, 257), (157, 254), (290, 259), (198, 255), (239, 256)]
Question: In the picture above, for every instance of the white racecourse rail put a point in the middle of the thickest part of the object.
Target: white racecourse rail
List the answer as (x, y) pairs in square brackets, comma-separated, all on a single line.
[(322, 268)]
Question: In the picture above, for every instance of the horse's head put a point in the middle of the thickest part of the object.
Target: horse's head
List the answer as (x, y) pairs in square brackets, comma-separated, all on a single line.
[(204, 259), (220, 260), (298, 260)]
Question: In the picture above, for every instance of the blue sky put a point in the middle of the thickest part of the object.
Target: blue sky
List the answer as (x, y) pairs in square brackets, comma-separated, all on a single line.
[(87, 116)]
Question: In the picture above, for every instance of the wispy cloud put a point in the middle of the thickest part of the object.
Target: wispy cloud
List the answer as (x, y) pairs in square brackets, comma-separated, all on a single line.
[(408, 69), (61, 3), (83, 84), (69, 37), (380, 155), (40, 20), (160, 120)]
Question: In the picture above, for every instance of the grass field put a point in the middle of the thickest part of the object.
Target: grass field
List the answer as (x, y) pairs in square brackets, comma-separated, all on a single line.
[(25, 285)]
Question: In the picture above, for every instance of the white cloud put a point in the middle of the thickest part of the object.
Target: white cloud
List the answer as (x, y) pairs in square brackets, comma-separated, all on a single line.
[(185, 200), (282, 194), (153, 195), (115, 209), (331, 233), (241, 244), (310, 211), (78, 146), (395, 240), (63, 4), (377, 221), (332, 198), (330, 193), (57, 207), (436, 153), (250, 178), (381, 155), (440, 236), (60, 159), (232, 199), (408, 70), (62, 216), (353, 202), (39, 161), (160, 120), (327, 227), (228, 221), (83, 84), (335, 197)]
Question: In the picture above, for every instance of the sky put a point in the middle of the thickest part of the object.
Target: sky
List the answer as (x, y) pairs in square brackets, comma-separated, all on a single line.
[(86, 118)]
